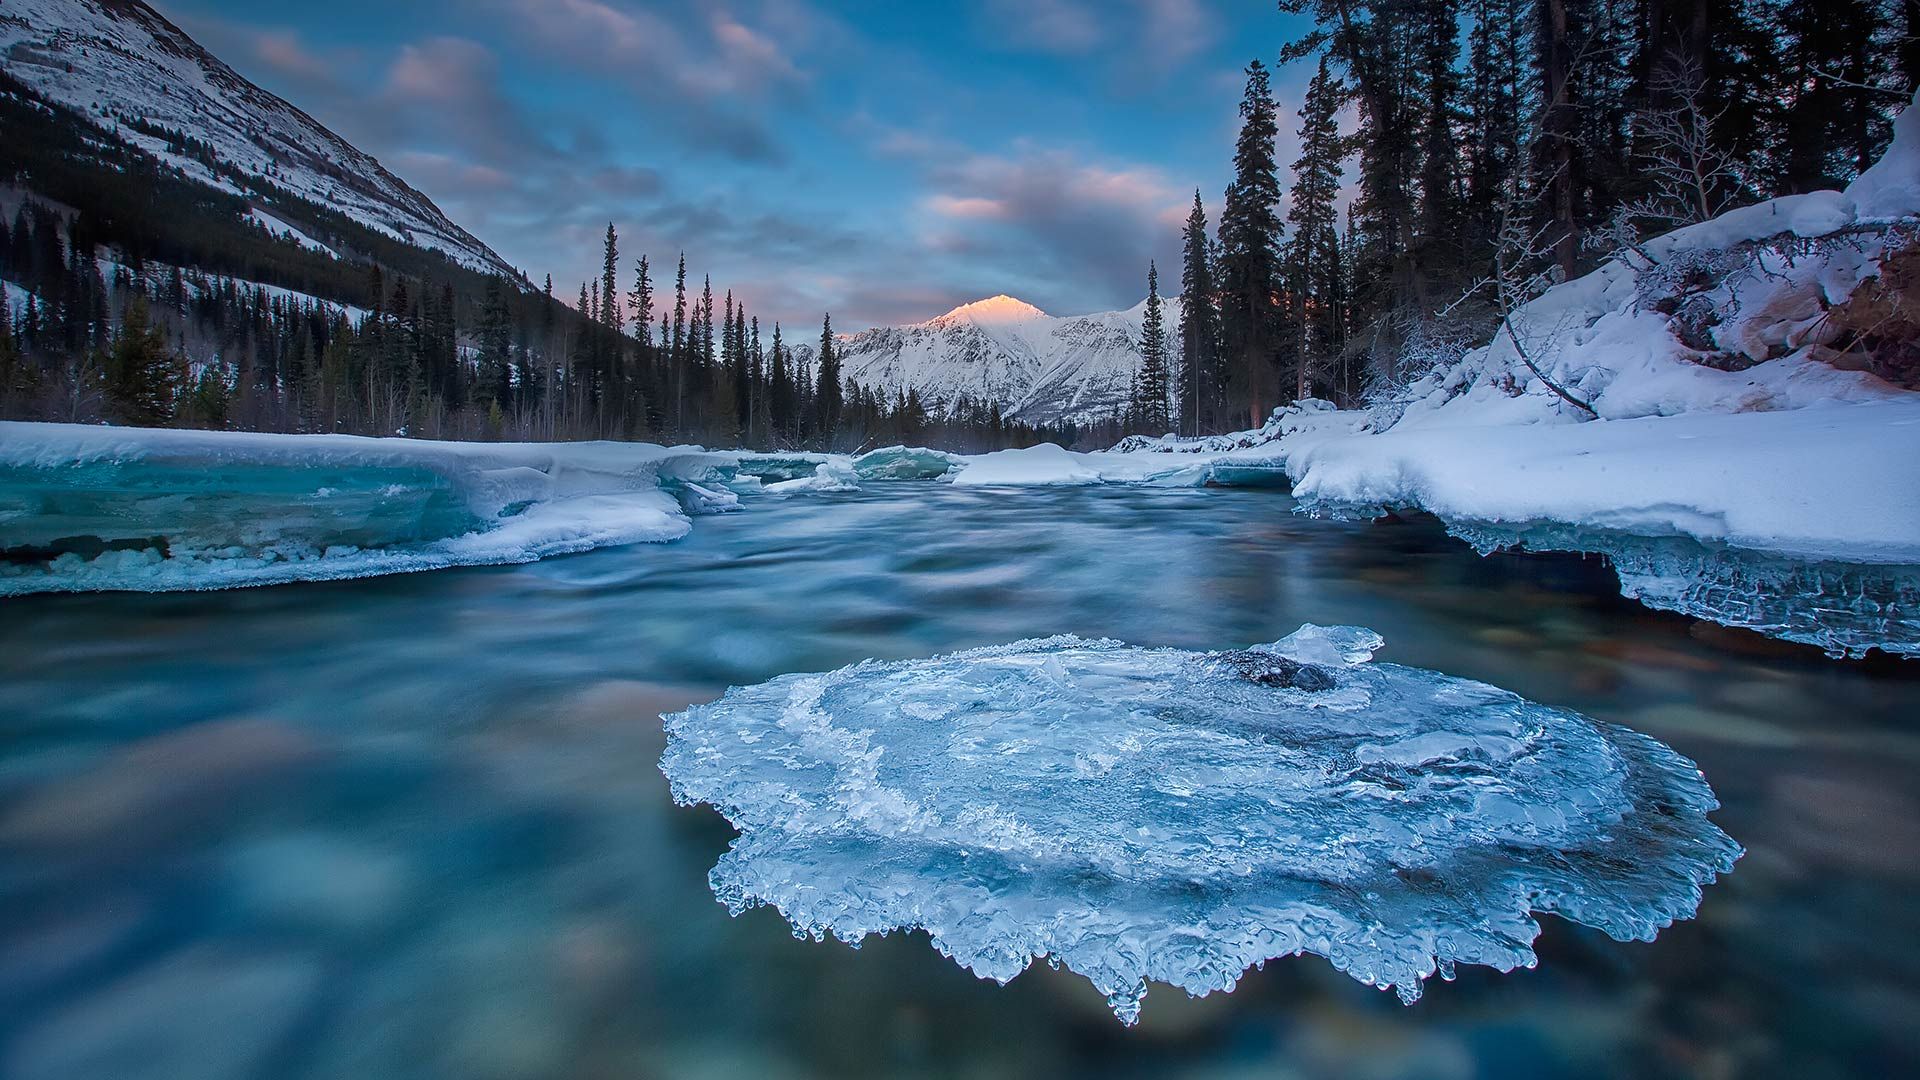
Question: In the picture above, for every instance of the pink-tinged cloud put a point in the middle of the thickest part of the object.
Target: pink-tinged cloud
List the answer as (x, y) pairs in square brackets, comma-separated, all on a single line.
[(731, 58), (282, 51), (972, 207), (443, 70)]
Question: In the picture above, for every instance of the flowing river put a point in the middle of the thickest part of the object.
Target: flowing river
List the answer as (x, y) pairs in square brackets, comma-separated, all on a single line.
[(414, 826)]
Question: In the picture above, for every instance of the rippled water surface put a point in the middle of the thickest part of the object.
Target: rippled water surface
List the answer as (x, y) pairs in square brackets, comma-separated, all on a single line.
[(414, 826)]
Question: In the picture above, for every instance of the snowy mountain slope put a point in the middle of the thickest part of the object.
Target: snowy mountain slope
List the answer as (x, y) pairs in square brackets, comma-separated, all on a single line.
[(121, 63), (1038, 368)]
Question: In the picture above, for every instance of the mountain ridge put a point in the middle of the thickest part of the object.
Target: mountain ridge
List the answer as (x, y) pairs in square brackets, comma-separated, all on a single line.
[(136, 75), (1040, 369)]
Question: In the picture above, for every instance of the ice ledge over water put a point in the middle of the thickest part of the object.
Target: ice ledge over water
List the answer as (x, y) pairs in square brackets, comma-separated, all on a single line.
[(89, 508), (1160, 815)]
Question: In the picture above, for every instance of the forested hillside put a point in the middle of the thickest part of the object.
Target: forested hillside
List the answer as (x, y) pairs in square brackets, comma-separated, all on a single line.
[(163, 276), (1495, 147)]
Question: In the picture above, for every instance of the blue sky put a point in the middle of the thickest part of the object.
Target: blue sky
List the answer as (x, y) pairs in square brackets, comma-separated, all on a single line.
[(882, 160)]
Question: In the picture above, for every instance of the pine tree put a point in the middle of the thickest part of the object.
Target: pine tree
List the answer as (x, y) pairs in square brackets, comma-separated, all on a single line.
[(143, 377), (495, 386), (610, 311), (1498, 117), (678, 353), (640, 300), (1834, 125), (703, 352), (827, 392), (1154, 377), (1314, 273), (780, 396), (1200, 373), (1251, 318), (739, 370), (1438, 250)]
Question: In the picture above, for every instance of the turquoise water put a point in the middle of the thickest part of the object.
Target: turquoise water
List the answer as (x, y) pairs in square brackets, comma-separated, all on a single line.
[(413, 826)]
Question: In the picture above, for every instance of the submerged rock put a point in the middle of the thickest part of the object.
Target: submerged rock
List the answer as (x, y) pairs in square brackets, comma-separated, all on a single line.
[(159, 787), (1273, 670), (1155, 814), (203, 1012)]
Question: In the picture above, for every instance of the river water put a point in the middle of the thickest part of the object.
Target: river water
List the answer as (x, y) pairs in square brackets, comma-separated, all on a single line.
[(414, 826)]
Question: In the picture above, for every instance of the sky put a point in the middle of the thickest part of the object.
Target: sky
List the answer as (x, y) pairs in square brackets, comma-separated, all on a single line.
[(881, 160)]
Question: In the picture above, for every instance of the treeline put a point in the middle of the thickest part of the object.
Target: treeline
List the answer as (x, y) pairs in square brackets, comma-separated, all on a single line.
[(156, 345), (1502, 145), (153, 299)]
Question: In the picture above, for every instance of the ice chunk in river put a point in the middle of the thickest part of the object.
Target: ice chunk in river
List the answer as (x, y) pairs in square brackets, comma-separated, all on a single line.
[(1145, 814), (905, 463)]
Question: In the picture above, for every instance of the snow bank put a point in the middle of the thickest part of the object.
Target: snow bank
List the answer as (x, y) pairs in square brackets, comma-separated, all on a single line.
[(1155, 814), (1035, 466), (1797, 483), (1804, 525), (1836, 482), (1049, 465)]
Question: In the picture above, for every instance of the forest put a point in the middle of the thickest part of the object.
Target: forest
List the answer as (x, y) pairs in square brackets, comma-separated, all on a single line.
[(1492, 148)]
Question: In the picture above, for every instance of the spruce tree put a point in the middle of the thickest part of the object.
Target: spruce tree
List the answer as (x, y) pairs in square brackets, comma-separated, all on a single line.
[(678, 352), (641, 301), (1200, 374), (826, 395), (143, 377), (780, 396), (610, 312), (1154, 378), (1251, 318), (1313, 257)]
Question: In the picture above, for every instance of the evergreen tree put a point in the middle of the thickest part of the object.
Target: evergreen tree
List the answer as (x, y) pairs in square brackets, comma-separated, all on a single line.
[(1251, 317), (1200, 360), (610, 311), (740, 370), (1497, 120), (640, 300), (1437, 253), (494, 363), (143, 377), (1154, 379), (677, 354), (1832, 125), (1314, 274), (827, 393)]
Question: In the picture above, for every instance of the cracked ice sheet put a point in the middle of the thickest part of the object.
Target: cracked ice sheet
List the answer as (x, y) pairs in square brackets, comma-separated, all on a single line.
[(1155, 814)]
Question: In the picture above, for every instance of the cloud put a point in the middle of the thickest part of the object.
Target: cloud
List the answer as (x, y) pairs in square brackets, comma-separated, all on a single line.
[(283, 51), (1064, 26), (1078, 232), (447, 92), (1176, 30), (712, 83), (1157, 35), (971, 206)]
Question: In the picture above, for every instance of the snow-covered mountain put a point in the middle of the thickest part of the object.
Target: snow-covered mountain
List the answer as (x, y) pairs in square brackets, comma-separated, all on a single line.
[(121, 63), (1036, 367)]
